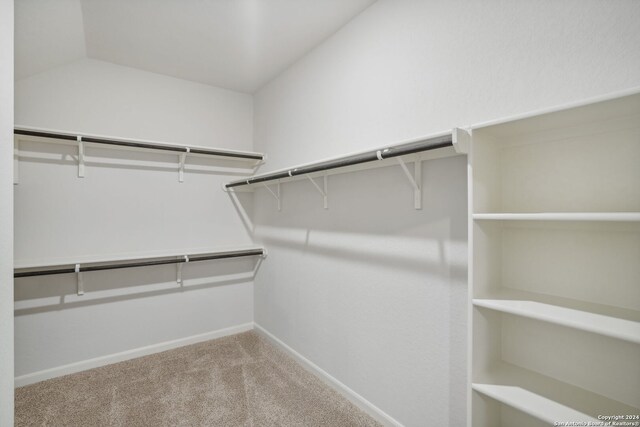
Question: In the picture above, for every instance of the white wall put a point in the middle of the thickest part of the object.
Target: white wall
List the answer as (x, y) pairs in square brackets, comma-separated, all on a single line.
[(125, 206), (6, 213), (372, 291)]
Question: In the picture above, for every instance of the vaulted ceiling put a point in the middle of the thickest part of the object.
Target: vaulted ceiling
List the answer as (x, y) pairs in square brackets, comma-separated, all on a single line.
[(235, 44)]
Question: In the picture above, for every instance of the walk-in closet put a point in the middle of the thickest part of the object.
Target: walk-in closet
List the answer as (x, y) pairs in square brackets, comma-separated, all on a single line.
[(319, 213)]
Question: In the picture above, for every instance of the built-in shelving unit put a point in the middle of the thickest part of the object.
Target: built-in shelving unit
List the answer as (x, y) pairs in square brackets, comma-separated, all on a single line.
[(231, 158), (554, 203)]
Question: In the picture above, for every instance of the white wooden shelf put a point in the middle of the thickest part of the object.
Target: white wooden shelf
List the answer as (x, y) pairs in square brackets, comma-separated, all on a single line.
[(614, 327), (30, 133), (530, 403), (543, 397), (433, 146), (560, 216), (232, 161), (414, 151), (55, 263), (77, 267)]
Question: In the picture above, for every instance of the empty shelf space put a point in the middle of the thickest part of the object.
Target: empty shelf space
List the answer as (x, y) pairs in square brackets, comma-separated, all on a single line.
[(610, 326), (544, 397), (560, 216), (531, 403), (589, 168)]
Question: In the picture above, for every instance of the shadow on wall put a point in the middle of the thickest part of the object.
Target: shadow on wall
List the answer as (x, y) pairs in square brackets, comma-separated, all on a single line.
[(428, 255), (371, 218), (58, 292)]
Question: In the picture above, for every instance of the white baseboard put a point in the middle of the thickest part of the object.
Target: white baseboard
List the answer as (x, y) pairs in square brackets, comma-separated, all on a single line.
[(362, 403), (83, 365)]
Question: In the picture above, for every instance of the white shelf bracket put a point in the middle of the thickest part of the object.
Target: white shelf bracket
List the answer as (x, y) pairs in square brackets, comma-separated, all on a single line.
[(80, 289), (179, 270), (276, 195), (80, 157), (182, 160), (260, 162), (16, 161), (415, 180), (461, 140), (325, 192)]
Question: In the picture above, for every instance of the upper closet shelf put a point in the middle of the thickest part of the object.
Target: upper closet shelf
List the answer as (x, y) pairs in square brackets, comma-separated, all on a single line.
[(242, 158), (451, 143)]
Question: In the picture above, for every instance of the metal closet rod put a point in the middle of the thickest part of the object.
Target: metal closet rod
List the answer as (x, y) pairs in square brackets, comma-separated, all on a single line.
[(194, 258), (371, 156), (146, 145)]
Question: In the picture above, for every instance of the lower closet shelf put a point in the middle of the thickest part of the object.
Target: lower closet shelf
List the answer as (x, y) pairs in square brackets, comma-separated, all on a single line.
[(610, 324), (530, 403), (545, 398), (84, 264)]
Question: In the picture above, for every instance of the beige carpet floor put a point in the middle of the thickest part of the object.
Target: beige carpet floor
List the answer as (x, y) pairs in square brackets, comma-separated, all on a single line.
[(240, 380)]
